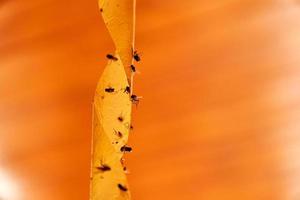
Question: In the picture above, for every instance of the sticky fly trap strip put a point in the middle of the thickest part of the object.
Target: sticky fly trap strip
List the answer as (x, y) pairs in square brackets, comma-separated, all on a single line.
[(113, 103)]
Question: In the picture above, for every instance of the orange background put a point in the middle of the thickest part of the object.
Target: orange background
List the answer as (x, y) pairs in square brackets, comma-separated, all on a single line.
[(219, 118)]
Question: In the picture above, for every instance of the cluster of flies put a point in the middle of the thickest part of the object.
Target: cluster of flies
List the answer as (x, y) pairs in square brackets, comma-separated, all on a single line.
[(135, 100)]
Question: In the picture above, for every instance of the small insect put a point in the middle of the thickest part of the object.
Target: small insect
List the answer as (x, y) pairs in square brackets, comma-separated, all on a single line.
[(125, 170), (118, 133), (131, 127), (132, 67), (135, 99), (121, 119), (136, 56), (126, 149), (122, 187), (104, 168), (111, 57), (127, 89), (109, 89), (101, 9)]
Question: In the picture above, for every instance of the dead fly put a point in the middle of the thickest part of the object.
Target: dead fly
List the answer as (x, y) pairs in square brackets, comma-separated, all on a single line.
[(127, 89), (111, 57), (118, 133), (121, 119), (125, 170), (135, 99), (132, 67), (126, 149), (109, 89), (122, 187), (103, 168), (136, 56)]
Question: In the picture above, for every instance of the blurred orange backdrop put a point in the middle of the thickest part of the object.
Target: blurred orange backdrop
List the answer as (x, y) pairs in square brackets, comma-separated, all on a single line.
[(220, 114)]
